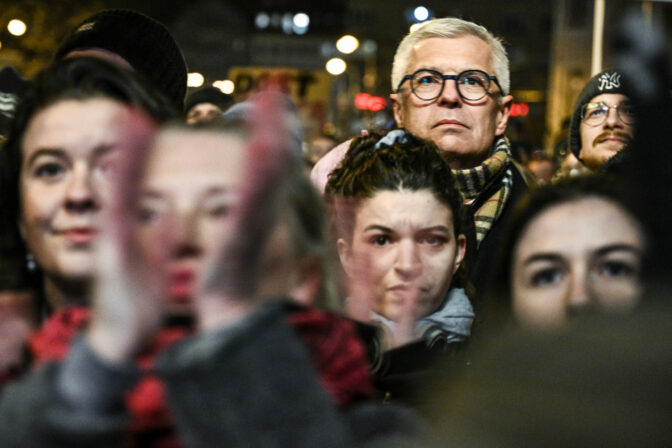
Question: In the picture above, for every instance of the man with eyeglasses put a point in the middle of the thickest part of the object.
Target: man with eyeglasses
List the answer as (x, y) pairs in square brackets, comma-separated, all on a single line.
[(602, 122), (450, 82)]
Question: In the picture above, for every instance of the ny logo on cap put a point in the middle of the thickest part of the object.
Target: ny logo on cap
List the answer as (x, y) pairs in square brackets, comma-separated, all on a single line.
[(607, 81), (86, 27)]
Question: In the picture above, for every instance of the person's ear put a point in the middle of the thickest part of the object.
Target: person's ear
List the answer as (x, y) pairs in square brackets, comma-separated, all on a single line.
[(308, 284), (461, 251), (345, 255), (397, 109), (503, 114)]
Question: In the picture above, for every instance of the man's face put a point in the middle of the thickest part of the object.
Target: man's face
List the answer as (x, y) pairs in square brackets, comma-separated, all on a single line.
[(600, 143), (463, 131), (203, 113)]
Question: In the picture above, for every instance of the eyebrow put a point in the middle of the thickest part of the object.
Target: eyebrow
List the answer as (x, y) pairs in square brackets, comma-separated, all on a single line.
[(49, 152), (53, 152), (619, 247), (439, 228), (149, 193), (542, 257), (378, 227)]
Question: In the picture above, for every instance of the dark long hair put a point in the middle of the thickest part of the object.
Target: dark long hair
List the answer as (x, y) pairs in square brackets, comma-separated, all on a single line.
[(80, 79)]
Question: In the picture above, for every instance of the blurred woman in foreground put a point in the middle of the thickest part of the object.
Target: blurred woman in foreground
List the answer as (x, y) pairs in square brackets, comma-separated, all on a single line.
[(573, 247), (234, 238)]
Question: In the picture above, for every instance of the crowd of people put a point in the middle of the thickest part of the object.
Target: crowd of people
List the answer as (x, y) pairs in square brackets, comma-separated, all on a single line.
[(171, 276)]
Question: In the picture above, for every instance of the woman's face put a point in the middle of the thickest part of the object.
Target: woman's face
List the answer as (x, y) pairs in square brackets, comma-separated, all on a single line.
[(193, 179), (69, 151), (408, 245), (573, 256)]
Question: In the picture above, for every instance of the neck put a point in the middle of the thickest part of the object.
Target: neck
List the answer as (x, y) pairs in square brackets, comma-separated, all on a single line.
[(60, 292)]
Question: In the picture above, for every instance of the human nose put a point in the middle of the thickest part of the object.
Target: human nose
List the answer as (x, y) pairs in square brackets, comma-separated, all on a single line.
[(613, 120), (408, 264), (449, 93), (81, 195), (580, 294), (185, 234)]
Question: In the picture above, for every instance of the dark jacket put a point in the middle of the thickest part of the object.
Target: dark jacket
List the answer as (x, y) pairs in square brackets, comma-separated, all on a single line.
[(251, 384), (481, 262)]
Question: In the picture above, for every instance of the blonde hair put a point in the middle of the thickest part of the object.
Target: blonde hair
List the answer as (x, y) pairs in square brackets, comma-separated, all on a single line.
[(451, 27)]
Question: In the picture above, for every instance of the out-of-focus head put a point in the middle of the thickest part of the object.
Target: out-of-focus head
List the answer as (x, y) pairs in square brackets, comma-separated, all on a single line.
[(572, 247), (603, 120), (399, 220), (206, 104), (65, 140), (11, 85), (133, 40), (464, 117), (196, 191)]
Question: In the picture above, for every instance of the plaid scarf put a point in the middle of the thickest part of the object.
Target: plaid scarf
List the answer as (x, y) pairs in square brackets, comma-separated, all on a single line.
[(488, 186)]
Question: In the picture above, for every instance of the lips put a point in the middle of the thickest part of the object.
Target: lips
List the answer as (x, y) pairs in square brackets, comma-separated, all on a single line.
[(181, 286), (79, 235), (450, 122), (408, 288), (616, 138)]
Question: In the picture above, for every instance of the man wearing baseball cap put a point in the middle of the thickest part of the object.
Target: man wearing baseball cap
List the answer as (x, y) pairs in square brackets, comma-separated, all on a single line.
[(603, 120)]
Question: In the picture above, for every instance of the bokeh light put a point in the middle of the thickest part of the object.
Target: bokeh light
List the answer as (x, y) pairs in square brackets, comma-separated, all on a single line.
[(347, 44), (195, 79), (336, 66)]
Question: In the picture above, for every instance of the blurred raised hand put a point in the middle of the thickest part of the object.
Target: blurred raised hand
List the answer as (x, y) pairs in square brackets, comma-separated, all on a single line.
[(128, 297), (230, 286)]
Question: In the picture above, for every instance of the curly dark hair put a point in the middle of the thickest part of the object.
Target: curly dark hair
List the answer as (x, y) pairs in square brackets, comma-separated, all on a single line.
[(413, 164)]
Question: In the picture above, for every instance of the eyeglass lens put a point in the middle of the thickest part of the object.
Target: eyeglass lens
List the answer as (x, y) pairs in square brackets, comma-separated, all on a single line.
[(594, 114), (471, 85)]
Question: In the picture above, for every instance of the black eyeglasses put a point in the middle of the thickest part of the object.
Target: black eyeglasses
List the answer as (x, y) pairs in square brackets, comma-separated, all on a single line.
[(594, 114), (472, 85)]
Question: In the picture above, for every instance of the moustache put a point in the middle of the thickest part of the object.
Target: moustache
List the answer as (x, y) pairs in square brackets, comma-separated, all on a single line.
[(621, 135)]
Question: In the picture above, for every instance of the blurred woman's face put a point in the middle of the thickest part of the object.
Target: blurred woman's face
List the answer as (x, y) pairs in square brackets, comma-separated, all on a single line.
[(193, 179), (404, 243), (69, 151), (576, 255)]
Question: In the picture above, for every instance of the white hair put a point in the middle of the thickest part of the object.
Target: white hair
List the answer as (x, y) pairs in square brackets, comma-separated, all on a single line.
[(452, 28)]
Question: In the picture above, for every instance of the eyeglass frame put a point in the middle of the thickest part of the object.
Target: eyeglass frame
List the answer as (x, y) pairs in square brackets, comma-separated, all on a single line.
[(615, 106), (454, 77)]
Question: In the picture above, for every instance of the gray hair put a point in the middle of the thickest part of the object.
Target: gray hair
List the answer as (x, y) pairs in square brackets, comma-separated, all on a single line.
[(453, 28)]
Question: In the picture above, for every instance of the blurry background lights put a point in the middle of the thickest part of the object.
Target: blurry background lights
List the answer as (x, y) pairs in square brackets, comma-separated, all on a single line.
[(287, 23), (262, 20), (421, 13), (226, 86), (336, 66), (195, 79), (347, 44), (300, 23), (16, 27), (301, 20)]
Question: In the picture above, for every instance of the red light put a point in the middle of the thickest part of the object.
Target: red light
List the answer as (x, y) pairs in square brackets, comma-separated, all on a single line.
[(364, 101), (520, 109)]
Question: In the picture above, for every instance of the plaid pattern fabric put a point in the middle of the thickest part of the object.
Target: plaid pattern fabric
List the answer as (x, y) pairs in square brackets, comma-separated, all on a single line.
[(493, 177)]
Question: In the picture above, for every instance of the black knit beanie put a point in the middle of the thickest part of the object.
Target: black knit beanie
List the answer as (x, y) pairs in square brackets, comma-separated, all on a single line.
[(607, 81), (208, 95), (146, 44)]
